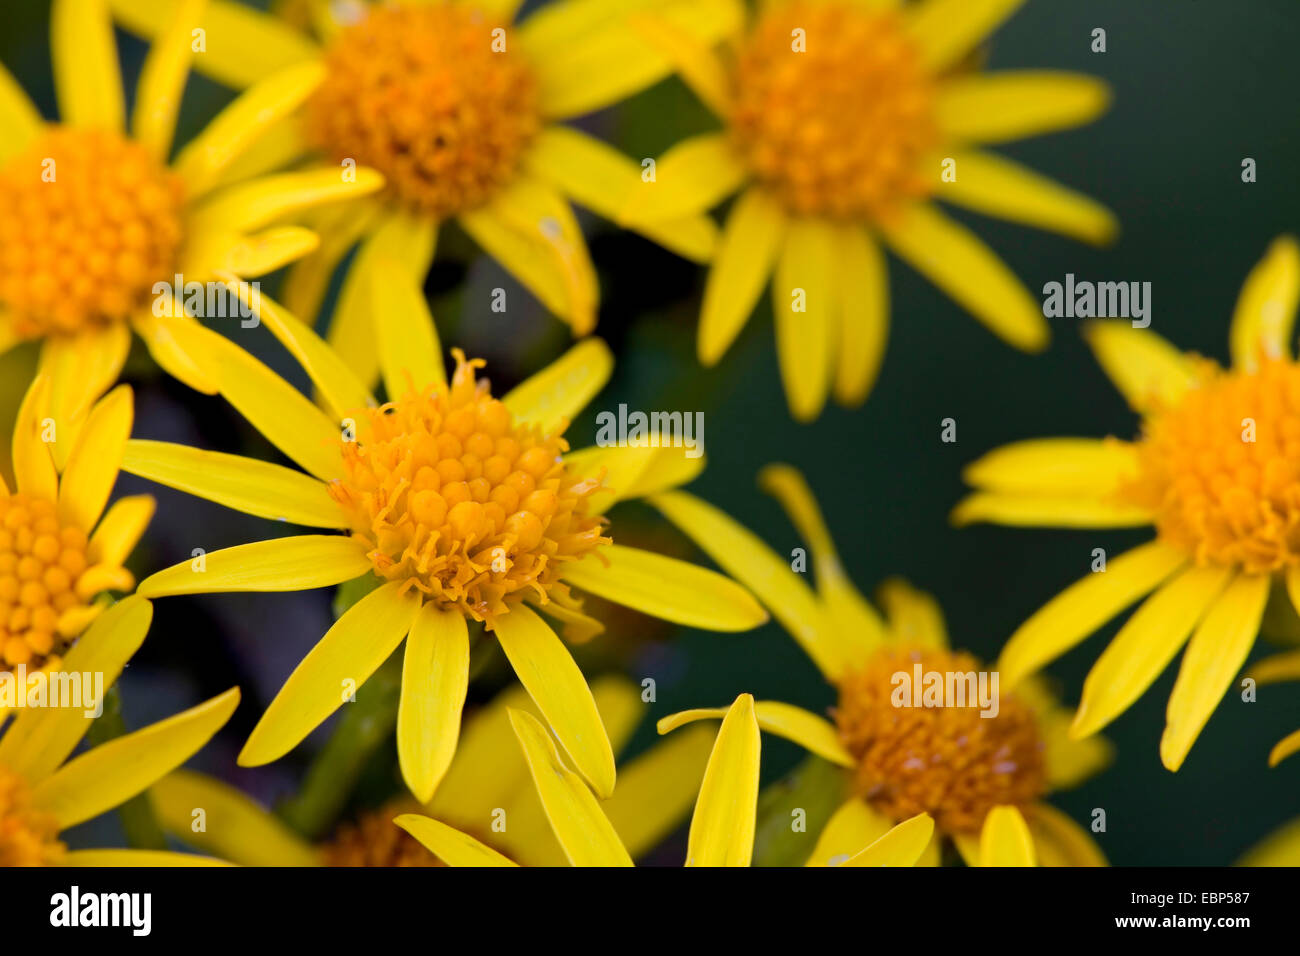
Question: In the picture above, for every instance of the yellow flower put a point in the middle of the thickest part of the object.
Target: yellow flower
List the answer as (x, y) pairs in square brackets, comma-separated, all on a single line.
[(92, 218), (1216, 470), (459, 505), (42, 792), (485, 793), (462, 112), (722, 826), (57, 557), (844, 119), (955, 762)]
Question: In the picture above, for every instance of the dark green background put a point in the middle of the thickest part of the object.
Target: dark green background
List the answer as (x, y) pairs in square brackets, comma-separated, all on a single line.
[(1198, 85)]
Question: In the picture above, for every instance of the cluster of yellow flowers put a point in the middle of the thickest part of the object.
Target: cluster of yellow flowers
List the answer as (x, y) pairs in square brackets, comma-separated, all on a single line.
[(455, 513)]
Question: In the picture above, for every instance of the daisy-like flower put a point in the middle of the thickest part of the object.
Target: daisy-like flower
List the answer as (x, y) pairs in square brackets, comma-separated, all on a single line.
[(844, 120), (486, 792), (42, 792), (93, 218), (58, 559), (722, 826), (461, 111), (1216, 470), (955, 763), (456, 504)]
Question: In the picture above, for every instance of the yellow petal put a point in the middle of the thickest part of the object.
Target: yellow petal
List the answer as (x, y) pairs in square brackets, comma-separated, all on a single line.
[(1018, 509), (551, 398), (169, 352), (1147, 370), (946, 30), (599, 177), (959, 263), (751, 240), (245, 484), (999, 187), (530, 229), (20, 121), (1214, 655), (122, 527), (1265, 314), (112, 773), (41, 738), (690, 178), (260, 202), (410, 240), (1279, 848), (410, 355), (901, 846), (144, 858), (81, 368), (332, 672), (547, 670), (666, 588), (815, 734), (997, 107), (804, 302), (589, 55), (217, 254), (655, 791), (33, 468), (695, 62), (862, 315), (1288, 745), (1085, 606), (297, 563), (343, 392), (618, 466), (856, 627), (96, 456), (1005, 839), (235, 827), (1060, 841), (435, 678), (1145, 645), (1074, 467), (86, 70), (162, 80), (340, 228), (914, 616), (722, 827), (269, 403), (1276, 668), (851, 828), (448, 844), (745, 556), (585, 833)]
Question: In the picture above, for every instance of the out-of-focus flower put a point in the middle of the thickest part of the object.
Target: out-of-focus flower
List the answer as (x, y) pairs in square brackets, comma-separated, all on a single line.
[(96, 225), (485, 793), (458, 505), (1216, 471), (42, 792), (58, 559), (722, 826), (844, 121), (956, 762), (462, 112)]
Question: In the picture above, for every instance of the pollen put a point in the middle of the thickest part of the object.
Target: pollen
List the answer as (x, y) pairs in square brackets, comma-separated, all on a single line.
[(47, 581), (89, 221), (454, 498), (432, 96), (374, 840), (1221, 467), (948, 761), (832, 110), (28, 836)]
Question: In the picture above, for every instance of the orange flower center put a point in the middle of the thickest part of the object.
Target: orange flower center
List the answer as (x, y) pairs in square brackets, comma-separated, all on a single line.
[(833, 109), (451, 496), (1221, 467), (948, 761), (46, 582), (28, 837), (89, 221), (374, 840), (427, 95)]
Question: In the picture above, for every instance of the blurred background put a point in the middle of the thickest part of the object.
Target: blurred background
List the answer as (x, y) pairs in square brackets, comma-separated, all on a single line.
[(1197, 88)]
